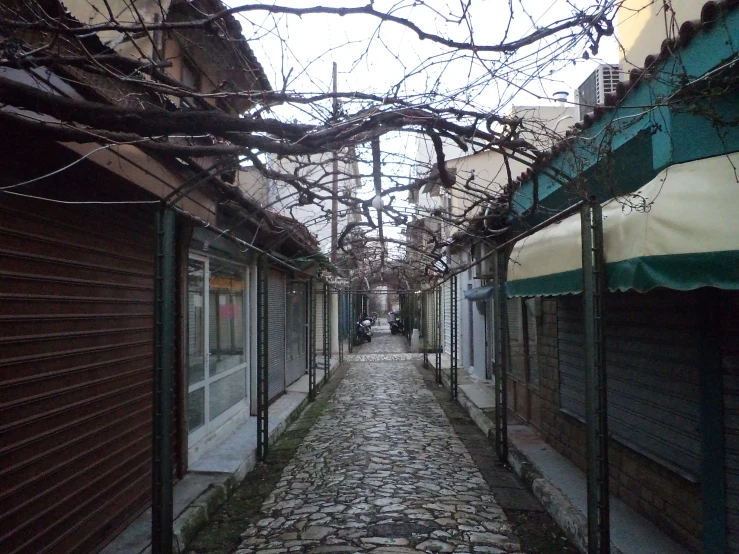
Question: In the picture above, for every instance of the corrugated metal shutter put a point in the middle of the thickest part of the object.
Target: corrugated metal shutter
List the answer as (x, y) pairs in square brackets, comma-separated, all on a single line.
[(276, 320), (319, 323), (515, 332), (730, 359), (653, 386), (533, 318), (429, 315), (76, 295), (296, 331)]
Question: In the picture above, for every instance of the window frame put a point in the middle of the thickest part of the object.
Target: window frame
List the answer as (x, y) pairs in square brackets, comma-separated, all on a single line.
[(208, 380)]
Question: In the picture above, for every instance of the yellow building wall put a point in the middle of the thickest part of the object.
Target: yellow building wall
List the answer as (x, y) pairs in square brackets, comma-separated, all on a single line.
[(642, 25)]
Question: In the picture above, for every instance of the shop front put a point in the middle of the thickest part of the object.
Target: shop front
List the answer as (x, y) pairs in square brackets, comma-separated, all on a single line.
[(218, 368)]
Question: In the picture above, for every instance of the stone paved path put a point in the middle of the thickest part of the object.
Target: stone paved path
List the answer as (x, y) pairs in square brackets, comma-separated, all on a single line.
[(381, 471)]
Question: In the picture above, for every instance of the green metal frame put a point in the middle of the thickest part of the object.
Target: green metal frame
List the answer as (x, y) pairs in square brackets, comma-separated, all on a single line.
[(425, 327), (438, 333), (500, 332), (352, 322), (340, 303), (311, 340), (326, 332), (596, 413), (453, 366), (163, 392), (262, 359)]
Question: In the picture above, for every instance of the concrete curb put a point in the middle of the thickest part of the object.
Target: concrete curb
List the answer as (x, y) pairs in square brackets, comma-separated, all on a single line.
[(555, 502), (198, 513)]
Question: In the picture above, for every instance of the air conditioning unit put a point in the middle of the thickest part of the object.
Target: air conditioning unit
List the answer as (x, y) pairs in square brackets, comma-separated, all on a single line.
[(484, 269)]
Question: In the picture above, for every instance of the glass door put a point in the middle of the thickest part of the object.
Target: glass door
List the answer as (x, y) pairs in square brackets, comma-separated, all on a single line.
[(217, 344)]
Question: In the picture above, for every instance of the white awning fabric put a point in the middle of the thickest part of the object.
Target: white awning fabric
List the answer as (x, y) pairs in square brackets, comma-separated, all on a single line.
[(680, 231)]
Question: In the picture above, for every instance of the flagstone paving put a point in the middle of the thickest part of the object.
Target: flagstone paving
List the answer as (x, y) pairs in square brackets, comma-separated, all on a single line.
[(381, 471)]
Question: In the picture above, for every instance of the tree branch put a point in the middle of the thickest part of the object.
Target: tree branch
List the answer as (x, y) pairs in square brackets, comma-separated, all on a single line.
[(579, 20)]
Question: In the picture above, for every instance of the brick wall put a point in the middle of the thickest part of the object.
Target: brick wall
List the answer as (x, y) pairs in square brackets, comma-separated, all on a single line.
[(670, 501)]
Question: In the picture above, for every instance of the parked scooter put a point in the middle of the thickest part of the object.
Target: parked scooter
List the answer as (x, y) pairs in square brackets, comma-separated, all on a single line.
[(364, 330), (396, 325)]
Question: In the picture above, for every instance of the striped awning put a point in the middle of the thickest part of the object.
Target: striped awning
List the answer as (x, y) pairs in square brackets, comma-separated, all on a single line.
[(679, 231)]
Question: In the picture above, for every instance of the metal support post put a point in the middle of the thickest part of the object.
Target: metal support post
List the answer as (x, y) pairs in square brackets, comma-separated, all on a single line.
[(596, 415), (311, 340), (341, 302), (453, 350), (262, 359), (437, 326), (424, 327), (164, 331), (502, 357), (326, 333), (352, 322)]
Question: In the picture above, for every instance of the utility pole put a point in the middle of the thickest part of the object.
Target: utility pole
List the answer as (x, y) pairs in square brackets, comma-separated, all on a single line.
[(334, 199), (377, 177)]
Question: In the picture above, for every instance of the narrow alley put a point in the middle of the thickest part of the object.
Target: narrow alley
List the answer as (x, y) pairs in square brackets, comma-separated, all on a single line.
[(382, 470)]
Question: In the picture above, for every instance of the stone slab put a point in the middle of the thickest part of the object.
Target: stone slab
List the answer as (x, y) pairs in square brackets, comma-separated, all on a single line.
[(481, 397)]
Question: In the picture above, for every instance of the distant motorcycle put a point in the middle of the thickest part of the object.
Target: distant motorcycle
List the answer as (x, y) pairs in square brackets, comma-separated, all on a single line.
[(396, 325), (364, 330)]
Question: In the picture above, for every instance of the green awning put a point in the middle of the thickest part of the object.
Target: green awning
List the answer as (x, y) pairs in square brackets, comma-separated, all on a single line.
[(679, 231)]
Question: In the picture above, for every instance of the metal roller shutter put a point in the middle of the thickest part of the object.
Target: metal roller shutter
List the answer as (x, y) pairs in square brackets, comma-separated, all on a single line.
[(731, 420), (319, 324), (296, 331), (515, 333), (653, 381), (429, 317), (76, 291), (276, 320)]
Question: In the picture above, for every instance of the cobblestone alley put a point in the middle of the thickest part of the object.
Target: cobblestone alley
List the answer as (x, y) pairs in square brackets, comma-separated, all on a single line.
[(382, 470)]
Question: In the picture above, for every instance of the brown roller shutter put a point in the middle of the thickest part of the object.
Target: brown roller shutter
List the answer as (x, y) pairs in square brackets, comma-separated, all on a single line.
[(76, 292), (653, 381)]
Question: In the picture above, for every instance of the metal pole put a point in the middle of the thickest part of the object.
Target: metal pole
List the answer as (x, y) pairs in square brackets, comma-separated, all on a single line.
[(438, 334), (502, 357), (341, 323), (329, 345), (453, 351), (335, 184), (311, 340), (262, 359), (164, 310), (326, 337), (596, 415), (424, 327), (352, 320)]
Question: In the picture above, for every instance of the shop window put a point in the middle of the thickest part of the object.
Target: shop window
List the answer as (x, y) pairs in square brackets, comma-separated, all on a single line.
[(216, 340)]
